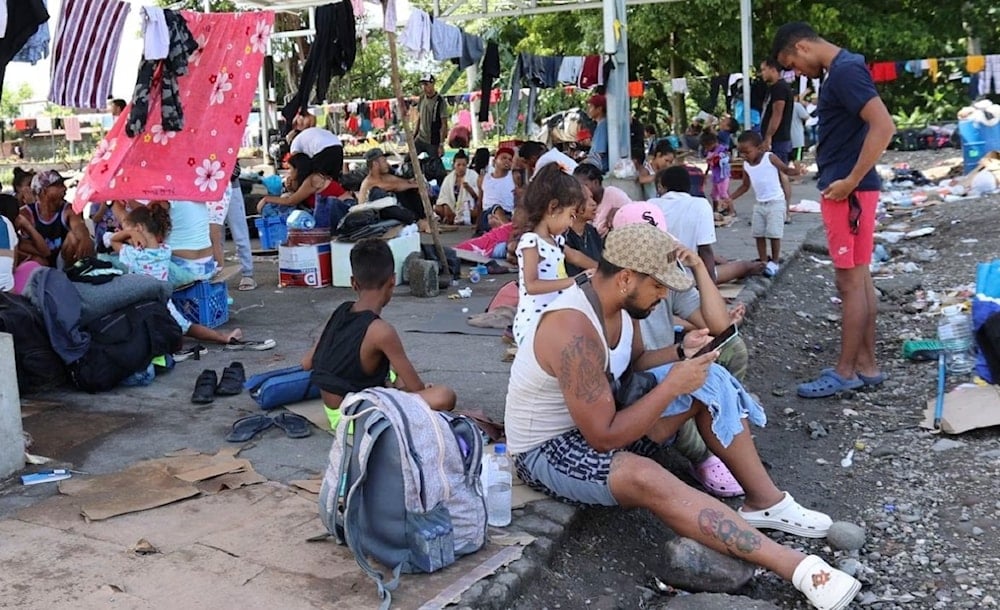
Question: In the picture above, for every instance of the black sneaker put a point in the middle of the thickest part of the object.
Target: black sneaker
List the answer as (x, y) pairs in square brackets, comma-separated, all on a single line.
[(231, 383), (204, 387)]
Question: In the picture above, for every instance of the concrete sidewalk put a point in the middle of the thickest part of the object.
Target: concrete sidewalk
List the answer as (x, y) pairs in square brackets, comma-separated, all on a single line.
[(107, 433)]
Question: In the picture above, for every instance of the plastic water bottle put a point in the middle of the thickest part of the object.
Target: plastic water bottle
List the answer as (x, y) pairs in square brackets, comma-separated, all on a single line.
[(300, 219), (498, 495), (474, 276), (955, 334)]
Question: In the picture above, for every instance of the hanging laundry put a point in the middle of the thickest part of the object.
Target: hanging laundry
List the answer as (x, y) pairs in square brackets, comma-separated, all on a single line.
[(716, 85), (679, 85), (85, 50), (446, 40), (932, 67), (489, 71), (416, 36), (975, 64), (537, 71), (37, 46), (217, 93), (636, 88), (569, 71), (155, 35), (182, 51), (3, 19), (883, 71), (71, 125), (989, 82), (915, 67), (472, 51), (332, 54), (388, 13), (591, 72)]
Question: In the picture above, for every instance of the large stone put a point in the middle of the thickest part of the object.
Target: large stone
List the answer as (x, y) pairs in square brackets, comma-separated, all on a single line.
[(815, 242), (691, 566), (717, 601), (845, 536), (423, 276)]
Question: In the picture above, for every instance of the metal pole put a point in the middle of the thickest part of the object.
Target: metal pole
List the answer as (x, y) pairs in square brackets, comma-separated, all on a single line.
[(746, 36), (616, 45)]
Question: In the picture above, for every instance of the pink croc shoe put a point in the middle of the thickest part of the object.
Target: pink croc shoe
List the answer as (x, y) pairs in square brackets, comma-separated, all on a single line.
[(716, 478)]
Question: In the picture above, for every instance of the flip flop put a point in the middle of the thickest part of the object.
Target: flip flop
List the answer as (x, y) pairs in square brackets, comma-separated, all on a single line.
[(246, 428), (257, 346), (247, 283), (791, 517), (295, 426), (827, 384)]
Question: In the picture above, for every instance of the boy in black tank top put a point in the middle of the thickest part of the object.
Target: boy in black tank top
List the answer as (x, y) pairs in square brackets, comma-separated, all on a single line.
[(357, 346)]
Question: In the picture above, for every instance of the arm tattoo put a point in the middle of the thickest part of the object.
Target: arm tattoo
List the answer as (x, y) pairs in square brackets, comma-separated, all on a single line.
[(739, 541), (581, 372)]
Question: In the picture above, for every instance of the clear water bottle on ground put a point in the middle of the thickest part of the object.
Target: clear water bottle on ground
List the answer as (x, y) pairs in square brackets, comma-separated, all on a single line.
[(498, 495), (955, 334)]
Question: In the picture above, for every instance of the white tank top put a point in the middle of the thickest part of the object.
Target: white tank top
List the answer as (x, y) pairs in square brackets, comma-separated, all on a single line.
[(765, 179), (498, 191), (536, 410)]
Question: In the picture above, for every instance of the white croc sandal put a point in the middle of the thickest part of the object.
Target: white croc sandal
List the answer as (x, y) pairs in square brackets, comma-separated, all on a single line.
[(825, 587), (791, 517)]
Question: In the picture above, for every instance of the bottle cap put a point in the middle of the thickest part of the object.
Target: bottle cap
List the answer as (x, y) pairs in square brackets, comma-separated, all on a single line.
[(499, 448)]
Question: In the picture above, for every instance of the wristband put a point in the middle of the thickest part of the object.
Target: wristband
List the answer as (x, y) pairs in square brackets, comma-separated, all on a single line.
[(680, 352)]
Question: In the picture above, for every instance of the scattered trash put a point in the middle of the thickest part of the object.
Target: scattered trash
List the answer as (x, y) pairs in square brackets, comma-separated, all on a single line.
[(848, 459), (921, 232), (850, 413), (46, 476), (144, 547), (465, 310)]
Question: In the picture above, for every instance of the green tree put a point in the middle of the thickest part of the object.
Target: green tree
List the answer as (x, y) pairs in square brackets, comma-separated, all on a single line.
[(10, 106)]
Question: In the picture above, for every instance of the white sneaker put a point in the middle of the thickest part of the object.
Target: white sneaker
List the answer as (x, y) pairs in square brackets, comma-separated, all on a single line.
[(825, 587), (771, 269)]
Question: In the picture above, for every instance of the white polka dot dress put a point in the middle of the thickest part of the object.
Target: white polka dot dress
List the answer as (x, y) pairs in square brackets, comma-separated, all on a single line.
[(551, 266)]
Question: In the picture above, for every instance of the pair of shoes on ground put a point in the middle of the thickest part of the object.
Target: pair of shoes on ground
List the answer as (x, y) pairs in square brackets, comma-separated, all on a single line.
[(208, 386), (257, 346), (245, 428), (825, 587), (830, 383)]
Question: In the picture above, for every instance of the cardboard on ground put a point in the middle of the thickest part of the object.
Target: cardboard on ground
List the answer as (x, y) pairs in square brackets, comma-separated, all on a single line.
[(967, 407)]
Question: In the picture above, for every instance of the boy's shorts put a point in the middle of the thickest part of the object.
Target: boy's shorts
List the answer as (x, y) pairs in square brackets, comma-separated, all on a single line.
[(720, 190), (768, 219), (849, 250), (568, 468)]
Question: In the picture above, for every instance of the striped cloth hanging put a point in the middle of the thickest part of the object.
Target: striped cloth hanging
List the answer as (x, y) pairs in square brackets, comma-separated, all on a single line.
[(85, 50)]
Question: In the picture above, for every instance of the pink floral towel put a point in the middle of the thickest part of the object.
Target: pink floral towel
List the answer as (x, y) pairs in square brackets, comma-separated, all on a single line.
[(216, 94)]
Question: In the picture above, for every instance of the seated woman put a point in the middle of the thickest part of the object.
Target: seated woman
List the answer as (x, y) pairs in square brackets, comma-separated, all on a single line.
[(493, 243), (311, 188)]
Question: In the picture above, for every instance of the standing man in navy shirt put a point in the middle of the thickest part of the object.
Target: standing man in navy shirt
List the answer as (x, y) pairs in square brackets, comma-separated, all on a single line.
[(854, 129), (776, 124)]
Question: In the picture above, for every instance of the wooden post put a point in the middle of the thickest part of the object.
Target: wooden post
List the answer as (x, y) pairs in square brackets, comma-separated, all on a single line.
[(418, 172)]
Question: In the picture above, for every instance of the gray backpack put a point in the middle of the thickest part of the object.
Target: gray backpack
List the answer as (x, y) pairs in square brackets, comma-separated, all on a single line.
[(403, 485)]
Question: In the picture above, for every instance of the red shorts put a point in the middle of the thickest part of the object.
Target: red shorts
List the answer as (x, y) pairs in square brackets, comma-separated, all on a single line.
[(849, 250)]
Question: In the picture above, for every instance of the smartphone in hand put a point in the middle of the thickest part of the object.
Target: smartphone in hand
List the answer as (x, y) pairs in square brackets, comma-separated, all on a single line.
[(720, 341)]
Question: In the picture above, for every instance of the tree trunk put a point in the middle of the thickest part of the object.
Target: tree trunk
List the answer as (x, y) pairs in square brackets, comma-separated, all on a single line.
[(677, 99)]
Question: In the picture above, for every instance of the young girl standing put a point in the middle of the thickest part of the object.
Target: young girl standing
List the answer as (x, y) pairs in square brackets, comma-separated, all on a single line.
[(550, 203)]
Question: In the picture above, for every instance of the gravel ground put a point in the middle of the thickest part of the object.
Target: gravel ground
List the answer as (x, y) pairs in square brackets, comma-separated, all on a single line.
[(927, 502)]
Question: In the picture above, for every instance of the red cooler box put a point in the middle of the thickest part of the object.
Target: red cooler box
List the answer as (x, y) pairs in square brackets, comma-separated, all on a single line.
[(304, 265)]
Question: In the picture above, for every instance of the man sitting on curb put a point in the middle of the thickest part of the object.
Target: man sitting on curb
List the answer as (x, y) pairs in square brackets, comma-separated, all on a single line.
[(704, 307), (568, 439)]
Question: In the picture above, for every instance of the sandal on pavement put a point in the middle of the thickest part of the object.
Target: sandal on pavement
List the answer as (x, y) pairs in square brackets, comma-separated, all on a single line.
[(827, 384), (791, 517), (825, 587), (233, 378), (295, 426), (204, 388), (258, 346), (714, 476), (247, 283), (196, 352), (248, 427)]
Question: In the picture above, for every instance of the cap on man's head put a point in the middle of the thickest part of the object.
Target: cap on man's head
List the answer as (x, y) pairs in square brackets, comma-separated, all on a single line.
[(373, 154), (505, 150), (426, 77), (598, 101), (646, 249), (637, 212), (45, 179)]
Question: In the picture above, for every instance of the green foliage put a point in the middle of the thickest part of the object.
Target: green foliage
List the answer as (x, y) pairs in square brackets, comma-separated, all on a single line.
[(10, 106)]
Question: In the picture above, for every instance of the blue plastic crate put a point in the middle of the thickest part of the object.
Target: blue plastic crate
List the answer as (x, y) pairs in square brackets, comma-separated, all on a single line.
[(272, 231), (972, 154), (204, 303)]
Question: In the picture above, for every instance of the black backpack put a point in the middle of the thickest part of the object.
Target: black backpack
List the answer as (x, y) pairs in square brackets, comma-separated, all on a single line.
[(38, 366), (123, 342)]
